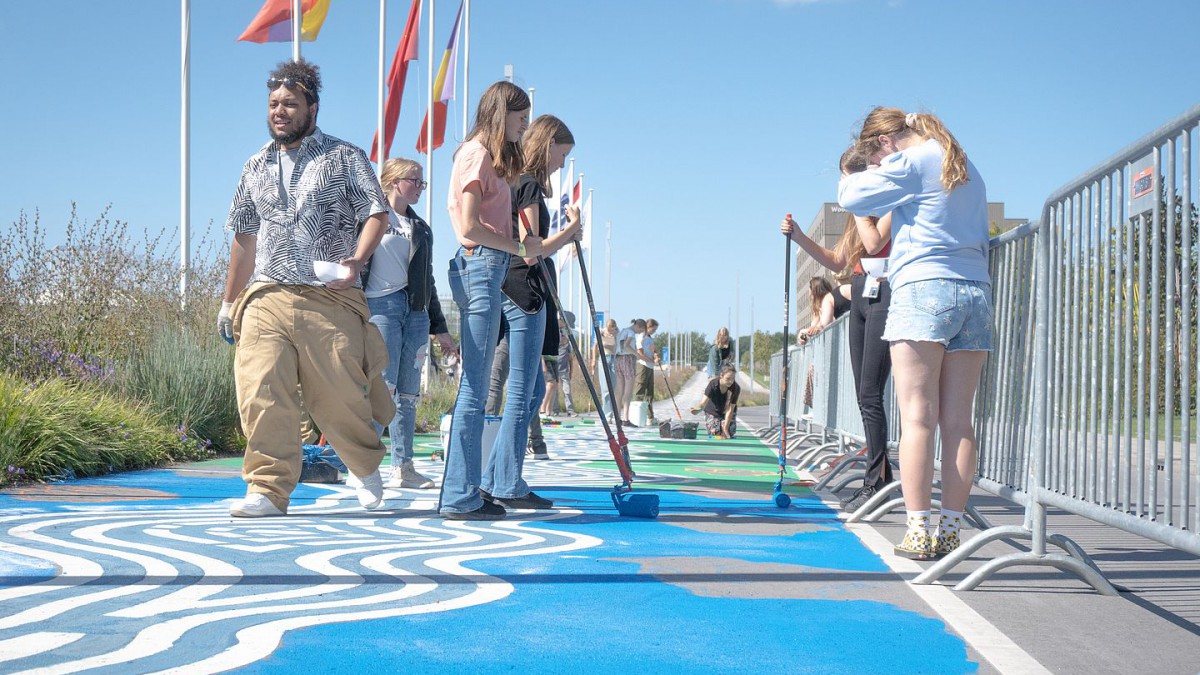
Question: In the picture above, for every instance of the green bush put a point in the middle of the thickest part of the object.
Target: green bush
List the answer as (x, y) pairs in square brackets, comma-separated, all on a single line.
[(63, 428), (189, 380), (74, 308), (438, 401)]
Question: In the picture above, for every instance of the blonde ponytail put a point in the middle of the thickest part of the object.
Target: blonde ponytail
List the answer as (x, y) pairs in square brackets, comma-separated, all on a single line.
[(894, 122), (954, 160)]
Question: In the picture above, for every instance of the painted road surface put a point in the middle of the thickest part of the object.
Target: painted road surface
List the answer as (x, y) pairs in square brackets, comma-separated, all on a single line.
[(146, 572)]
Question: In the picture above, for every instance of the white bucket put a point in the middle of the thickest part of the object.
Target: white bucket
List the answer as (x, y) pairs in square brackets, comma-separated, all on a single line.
[(639, 413), (491, 427)]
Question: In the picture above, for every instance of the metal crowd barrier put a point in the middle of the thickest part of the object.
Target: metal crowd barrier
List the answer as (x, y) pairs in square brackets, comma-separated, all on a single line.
[(1089, 402), (1113, 429)]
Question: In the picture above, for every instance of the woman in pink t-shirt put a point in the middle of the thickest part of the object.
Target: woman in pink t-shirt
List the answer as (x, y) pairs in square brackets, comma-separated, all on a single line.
[(486, 166)]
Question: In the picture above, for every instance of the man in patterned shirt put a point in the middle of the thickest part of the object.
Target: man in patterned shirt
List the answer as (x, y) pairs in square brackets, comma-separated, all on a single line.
[(307, 213)]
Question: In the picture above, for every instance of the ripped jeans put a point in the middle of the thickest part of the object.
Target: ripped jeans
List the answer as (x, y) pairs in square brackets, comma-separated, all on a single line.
[(406, 334)]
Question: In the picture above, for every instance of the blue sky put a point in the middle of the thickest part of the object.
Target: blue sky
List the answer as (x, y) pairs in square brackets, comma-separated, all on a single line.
[(699, 122)]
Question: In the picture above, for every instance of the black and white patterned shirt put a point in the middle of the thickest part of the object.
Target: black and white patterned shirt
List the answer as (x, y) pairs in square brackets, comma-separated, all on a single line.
[(333, 190)]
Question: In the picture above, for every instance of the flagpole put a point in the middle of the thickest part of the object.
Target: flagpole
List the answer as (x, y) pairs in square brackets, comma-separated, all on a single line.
[(737, 322), (382, 74), (185, 87), (429, 116), (608, 267), (531, 117), (588, 223), (570, 188), (466, 68), (752, 343), (579, 287), (297, 22)]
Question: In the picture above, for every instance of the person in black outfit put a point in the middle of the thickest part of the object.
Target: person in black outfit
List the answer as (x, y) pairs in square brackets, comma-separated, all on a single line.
[(865, 240), (720, 404), (828, 303), (526, 306)]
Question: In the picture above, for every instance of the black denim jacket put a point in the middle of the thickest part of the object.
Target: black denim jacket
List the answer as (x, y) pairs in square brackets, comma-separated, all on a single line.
[(422, 293)]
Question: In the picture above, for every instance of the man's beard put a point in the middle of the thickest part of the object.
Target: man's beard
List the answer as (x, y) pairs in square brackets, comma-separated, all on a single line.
[(290, 137)]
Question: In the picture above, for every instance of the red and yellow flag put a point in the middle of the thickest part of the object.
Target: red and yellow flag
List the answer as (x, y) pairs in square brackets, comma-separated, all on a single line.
[(274, 21), (443, 91)]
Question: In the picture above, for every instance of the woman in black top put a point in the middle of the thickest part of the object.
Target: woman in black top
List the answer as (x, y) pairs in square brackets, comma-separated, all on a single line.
[(526, 306), (720, 404), (828, 303)]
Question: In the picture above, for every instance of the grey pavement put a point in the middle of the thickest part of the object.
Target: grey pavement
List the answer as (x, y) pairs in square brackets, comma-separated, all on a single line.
[(1152, 627)]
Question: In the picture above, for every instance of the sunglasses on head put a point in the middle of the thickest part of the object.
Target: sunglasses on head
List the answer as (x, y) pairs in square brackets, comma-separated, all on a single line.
[(274, 83)]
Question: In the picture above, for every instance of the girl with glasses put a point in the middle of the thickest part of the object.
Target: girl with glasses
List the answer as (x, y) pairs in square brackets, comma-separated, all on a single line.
[(398, 282)]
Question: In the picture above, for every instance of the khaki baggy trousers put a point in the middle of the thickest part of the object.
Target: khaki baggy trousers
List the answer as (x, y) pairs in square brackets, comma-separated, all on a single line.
[(293, 338)]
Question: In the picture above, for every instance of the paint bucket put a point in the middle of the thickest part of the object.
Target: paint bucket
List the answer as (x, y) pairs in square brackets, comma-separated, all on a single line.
[(639, 413), (491, 428)]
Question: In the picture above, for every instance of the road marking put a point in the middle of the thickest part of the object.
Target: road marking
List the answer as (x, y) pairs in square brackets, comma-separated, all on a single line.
[(34, 644), (991, 643)]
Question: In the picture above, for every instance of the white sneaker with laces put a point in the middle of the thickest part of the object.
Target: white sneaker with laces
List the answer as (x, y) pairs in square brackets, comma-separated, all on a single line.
[(254, 505), (370, 490), (406, 476)]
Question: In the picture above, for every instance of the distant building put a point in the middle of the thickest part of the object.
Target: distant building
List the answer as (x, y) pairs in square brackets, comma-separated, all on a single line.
[(827, 227)]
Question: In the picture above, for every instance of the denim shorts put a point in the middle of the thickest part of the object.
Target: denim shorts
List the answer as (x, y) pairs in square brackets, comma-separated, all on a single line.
[(953, 312)]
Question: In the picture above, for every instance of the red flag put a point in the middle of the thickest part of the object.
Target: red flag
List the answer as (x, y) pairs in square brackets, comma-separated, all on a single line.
[(439, 127), (273, 23), (577, 193), (406, 51), (443, 90)]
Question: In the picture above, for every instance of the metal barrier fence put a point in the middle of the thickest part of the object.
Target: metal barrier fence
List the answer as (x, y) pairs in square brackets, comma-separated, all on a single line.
[(1089, 403), (1113, 389)]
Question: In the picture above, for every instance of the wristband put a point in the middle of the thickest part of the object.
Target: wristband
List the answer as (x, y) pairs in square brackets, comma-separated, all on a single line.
[(521, 249)]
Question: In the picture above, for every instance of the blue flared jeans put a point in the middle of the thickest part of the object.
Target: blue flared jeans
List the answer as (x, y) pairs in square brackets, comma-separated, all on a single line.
[(526, 333), (475, 280)]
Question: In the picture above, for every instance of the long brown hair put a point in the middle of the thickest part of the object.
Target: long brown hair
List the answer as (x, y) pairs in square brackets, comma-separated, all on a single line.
[(535, 147), (895, 122), (818, 288), (850, 246), (496, 102)]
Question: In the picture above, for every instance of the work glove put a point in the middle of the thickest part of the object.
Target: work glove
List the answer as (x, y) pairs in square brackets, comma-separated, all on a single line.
[(225, 322)]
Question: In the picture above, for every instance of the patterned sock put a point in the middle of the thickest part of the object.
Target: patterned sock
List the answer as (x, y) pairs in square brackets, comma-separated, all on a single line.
[(918, 521), (950, 522)]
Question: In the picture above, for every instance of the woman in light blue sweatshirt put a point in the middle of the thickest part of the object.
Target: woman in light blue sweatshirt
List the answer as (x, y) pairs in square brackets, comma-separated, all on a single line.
[(940, 321)]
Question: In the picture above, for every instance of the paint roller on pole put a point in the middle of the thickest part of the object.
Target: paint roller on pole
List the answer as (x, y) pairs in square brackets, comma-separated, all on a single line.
[(782, 500)]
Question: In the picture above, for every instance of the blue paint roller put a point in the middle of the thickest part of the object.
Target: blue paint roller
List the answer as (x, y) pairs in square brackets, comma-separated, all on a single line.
[(780, 497)]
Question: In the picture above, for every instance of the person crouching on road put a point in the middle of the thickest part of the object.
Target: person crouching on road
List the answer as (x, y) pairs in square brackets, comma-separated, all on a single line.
[(720, 403)]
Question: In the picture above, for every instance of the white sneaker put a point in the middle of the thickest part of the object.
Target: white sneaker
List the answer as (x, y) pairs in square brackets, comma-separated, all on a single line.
[(406, 476), (370, 490), (254, 505)]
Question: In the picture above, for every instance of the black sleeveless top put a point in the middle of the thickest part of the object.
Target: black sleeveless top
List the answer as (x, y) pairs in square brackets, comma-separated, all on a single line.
[(841, 304)]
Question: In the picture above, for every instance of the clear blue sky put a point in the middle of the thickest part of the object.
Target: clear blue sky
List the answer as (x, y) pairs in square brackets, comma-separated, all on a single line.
[(699, 122)]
